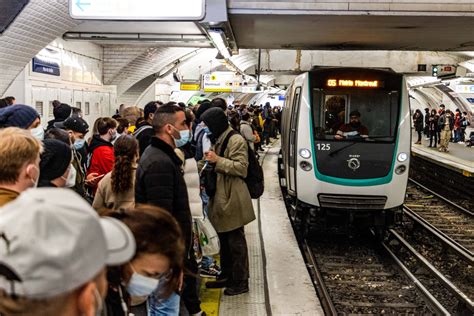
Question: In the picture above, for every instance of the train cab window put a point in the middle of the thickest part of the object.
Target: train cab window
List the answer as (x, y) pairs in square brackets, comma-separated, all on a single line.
[(335, 115)]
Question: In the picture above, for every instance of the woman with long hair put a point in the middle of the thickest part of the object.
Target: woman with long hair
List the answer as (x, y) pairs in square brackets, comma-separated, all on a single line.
[(155, 271), (117, 189)]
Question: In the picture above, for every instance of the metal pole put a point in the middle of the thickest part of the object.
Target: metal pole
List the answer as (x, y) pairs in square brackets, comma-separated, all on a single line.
[(258, 68)]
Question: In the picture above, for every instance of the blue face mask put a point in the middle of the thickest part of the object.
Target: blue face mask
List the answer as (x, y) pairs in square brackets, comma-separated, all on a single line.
[(79, 143), (141, 286), (185, 137), (207, 130)]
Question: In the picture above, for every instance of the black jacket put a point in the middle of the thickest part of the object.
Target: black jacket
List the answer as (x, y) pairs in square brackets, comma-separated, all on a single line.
[(160, 182), (442, 120), (143, 134)]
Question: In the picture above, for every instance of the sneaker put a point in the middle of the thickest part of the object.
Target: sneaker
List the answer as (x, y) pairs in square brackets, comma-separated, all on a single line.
[(213, 271)]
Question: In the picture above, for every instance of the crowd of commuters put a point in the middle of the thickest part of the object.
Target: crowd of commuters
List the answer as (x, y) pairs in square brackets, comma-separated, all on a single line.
[(103, 225), (441, 127)]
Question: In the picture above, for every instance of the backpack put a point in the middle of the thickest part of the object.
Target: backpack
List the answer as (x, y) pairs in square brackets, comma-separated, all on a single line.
[(254, 180)]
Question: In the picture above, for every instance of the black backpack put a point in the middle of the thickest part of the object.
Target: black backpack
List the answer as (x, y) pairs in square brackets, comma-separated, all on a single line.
[(254, 180)]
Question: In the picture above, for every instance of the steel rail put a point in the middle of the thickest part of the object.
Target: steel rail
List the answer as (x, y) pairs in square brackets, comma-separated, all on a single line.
[(437, 274), (458, 207), (435, 305), (459, 249), (321, 288)]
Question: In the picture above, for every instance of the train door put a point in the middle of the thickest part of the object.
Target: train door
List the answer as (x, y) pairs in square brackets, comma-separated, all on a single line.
[(53, 94), (292, 141)]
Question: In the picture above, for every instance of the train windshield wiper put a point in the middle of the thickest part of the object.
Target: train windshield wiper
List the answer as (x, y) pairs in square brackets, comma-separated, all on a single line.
[(333, 153)]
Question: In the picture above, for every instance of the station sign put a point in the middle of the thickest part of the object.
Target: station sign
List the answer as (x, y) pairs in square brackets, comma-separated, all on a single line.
[(190, 86), (465, 88), (224, 81), (143, 10), (47, 62)]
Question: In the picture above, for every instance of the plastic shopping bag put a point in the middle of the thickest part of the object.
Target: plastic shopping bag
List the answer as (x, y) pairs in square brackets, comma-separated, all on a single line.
[(208, 239)]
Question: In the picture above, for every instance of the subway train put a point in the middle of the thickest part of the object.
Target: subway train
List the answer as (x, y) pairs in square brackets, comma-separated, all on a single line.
[(345, 147)]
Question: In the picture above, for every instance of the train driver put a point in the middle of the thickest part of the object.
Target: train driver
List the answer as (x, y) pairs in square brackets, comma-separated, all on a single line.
[(352, 130)]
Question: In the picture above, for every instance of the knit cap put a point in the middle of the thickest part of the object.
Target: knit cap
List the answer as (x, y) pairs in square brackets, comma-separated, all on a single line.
[(55, 160), (18, 115)]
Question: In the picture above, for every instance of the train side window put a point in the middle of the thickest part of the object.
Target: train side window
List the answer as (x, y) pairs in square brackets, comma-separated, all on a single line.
[(79, 105), (334, 109), (51, 109), (293, 123)]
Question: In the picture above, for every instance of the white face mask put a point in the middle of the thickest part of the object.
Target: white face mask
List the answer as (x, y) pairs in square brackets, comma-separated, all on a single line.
[(71, 178), (141, 286), (99, 302), (35, 182), (38, 132)]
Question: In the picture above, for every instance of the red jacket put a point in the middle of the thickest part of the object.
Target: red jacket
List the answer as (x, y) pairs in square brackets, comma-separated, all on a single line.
[(101, 157)]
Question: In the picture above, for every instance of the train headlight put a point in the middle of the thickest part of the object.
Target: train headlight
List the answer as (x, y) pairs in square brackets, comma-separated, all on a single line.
[(402, 157), (400, 169), (306, 166), (305, 153)]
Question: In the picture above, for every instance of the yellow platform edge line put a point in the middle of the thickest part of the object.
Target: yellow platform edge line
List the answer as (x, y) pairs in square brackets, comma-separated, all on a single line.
[(210, 298)]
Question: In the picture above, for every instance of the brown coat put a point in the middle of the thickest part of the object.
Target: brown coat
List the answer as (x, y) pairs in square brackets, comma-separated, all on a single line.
[(231, 207), (6, 196), (105, 198)]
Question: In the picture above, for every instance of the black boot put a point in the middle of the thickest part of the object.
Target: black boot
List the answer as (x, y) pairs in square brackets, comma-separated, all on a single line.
[(237, 288)]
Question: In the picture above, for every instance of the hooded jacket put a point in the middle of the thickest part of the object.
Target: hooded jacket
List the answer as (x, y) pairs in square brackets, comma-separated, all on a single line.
[(101, 157), (143, 134), (160, 182)]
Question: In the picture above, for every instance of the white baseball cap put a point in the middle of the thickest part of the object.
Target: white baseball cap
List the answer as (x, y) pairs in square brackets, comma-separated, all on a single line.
[(52, 242)]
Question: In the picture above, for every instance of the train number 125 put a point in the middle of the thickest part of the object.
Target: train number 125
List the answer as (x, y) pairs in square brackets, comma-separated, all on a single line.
[(323, 146)]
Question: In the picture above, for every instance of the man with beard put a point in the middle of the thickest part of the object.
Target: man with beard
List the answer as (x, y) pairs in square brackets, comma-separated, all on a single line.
[(354, 129)]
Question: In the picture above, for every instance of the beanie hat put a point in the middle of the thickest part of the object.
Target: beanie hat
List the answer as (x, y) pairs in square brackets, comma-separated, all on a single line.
[(62, 112), (202, 108), (76, 124), (216, 120), (18, 115), (55, 160)]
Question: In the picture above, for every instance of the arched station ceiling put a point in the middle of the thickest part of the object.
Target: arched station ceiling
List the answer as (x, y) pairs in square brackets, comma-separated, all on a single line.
[(132, 65)]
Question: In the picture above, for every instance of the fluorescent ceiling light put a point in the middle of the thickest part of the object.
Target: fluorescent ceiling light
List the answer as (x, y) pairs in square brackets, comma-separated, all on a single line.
[(217, 37)]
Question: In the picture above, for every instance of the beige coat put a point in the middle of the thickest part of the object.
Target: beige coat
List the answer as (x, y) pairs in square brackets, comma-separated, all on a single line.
[(231, 207), (105, 198)]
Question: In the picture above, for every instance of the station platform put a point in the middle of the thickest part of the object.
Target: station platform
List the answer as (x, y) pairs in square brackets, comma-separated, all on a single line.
[(279, 282), (459, 158)]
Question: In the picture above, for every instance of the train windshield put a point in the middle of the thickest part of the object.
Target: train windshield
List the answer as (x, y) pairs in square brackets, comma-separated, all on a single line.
[(355, 115)]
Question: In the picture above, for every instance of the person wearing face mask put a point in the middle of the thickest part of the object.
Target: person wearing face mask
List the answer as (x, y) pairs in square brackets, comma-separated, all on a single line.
[(117, 189), (60, 270), (156, 266), (22, 116), (160, 182), (77, 129), (353, 130), (55, 165), (100, 159), (19, 162)]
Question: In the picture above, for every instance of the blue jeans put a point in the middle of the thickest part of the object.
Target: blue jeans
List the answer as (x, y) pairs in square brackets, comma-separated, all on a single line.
[(206, 261), (163, 307)]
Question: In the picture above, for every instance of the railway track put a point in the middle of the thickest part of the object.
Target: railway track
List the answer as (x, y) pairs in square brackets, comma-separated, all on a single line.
[(450, 223), (360, 276)]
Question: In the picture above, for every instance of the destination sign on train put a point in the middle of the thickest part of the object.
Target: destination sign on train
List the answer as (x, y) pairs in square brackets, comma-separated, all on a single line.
[(350, 83), (145, 10)]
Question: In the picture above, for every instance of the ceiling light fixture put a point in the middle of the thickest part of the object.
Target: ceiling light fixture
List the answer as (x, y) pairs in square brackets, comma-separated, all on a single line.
[(220, 42)]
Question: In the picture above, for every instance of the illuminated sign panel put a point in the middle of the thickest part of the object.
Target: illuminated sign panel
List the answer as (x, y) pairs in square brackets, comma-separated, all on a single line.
[(349, 83), (151, 10)]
